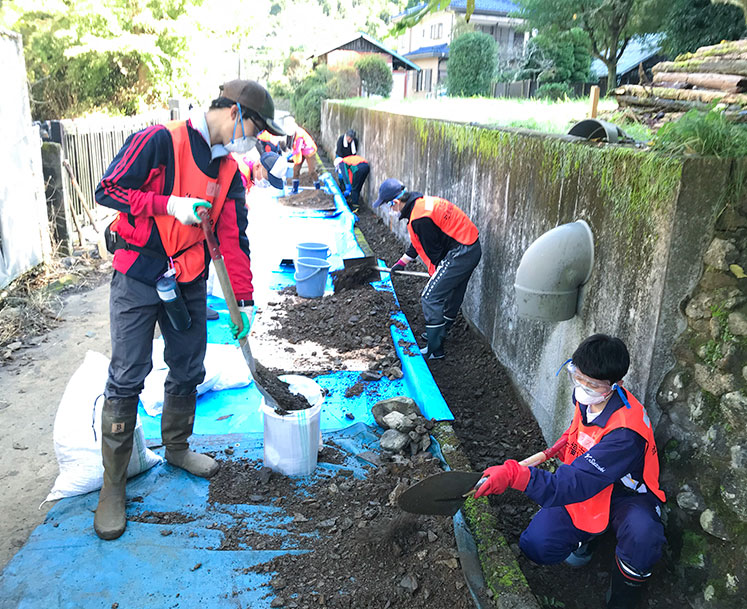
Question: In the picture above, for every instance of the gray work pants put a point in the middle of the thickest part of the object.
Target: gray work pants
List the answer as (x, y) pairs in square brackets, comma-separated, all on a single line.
[(134, 309), (444, 292)]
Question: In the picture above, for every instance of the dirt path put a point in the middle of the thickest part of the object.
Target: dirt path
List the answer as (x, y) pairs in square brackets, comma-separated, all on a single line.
[(33, 381)]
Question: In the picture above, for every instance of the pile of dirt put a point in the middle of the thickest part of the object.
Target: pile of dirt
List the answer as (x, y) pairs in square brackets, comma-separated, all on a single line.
[(309, 198), (355, 321), (366, 551), (269, 381), (493, 424)]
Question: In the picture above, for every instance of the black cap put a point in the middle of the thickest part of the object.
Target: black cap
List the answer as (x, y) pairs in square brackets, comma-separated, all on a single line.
[(253, 96), (351, 133)]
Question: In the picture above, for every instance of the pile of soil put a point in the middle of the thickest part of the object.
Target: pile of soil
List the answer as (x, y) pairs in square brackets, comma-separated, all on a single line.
[(493, 424), (366, 551), (286, 400), (355, 321), (309, 198)]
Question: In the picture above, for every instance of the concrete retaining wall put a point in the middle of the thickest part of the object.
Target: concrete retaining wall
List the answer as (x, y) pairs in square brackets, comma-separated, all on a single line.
[(652, 218)]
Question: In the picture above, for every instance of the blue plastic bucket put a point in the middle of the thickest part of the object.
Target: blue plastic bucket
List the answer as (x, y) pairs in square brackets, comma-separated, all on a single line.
[(313, 250), (311, 277)]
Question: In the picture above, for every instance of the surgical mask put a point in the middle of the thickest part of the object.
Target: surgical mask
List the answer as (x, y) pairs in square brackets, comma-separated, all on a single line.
[(588, 397), (263, 183), (243, 144)]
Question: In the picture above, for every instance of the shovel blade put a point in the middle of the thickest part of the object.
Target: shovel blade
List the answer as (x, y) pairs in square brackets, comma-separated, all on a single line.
[(441, 494)]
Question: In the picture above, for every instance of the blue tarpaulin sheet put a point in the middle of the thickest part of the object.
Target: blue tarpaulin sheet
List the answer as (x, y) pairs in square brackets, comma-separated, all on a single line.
[(64, 565)]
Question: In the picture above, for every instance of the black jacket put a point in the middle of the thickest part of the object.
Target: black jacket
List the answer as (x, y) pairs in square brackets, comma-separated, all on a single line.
[(343, 149)]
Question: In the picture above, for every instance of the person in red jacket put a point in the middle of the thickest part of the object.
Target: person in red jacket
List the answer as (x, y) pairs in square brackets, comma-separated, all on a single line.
[(608, 479), (157, 182), (448, 243)]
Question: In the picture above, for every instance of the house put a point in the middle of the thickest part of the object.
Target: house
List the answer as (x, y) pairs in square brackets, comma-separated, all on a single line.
[(348, 51), (644, 50), (427, 43)]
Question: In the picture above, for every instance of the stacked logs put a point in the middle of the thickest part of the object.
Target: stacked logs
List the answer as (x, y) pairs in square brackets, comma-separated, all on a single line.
[(716, 73)]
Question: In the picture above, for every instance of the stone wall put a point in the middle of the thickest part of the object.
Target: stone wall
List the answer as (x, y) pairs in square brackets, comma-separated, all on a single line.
[(654, 219)]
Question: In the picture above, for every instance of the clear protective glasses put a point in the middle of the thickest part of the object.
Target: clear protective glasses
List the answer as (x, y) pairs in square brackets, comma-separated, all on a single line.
[(579, 379)]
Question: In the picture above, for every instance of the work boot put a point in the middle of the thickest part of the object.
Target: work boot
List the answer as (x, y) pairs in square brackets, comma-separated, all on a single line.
[(581, 556), (434, 347), (626, 586), (118, 419), (448, 323), (177, 421), (211, 314)]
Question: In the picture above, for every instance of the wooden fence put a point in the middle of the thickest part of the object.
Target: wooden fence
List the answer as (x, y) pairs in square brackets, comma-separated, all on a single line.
[(88, 146)]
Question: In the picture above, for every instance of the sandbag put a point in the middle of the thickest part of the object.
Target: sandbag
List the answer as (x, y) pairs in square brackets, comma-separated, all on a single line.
[(77, 433)]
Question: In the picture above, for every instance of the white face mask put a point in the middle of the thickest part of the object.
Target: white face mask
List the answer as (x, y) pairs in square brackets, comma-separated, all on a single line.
[(243, 144), (263, 183), (588, 397)]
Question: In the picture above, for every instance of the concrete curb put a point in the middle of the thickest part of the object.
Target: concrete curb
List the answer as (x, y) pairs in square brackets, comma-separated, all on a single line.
[(503, 577)]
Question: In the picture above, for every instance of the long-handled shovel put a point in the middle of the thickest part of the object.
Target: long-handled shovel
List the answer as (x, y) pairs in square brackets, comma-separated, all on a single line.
[(228, 294), (445, 493)]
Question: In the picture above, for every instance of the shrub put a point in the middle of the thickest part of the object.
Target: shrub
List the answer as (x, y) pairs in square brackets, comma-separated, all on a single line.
[(345, 83), (703, 133), (376, 75), (554, 90), (473, 60)]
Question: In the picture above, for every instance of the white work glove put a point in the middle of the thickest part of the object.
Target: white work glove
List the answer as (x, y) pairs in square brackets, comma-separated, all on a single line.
[(184, 209)]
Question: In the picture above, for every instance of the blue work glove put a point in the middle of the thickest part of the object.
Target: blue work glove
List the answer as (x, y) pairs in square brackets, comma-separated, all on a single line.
[(246, 317), (347, 191)]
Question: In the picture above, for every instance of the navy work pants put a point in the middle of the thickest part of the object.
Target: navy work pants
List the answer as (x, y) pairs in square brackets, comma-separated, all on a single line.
[(551, 536), (134, 309)]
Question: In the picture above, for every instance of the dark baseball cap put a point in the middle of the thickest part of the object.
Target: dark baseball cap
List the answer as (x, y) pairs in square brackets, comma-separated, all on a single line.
[(276, 167), (253, 96), (351, 133), (390, 189)]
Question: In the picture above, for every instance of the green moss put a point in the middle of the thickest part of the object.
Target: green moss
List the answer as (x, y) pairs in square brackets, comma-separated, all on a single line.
[(694, 548)]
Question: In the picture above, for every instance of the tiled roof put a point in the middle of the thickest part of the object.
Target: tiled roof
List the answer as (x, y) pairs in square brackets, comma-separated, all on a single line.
[(460, 6), (439, 50)]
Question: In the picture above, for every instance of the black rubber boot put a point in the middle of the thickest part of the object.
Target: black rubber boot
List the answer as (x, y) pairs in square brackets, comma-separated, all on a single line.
[(434, 349), (626, 586), (211, 314), (118, 419), (177, 422), (448, 323)]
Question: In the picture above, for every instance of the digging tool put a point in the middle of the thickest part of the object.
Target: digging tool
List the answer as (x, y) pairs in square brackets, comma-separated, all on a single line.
[(445, 492), (383, 269), (228, 294)]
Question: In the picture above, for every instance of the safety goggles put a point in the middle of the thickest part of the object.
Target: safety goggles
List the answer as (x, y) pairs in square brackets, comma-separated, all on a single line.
[(579, 379)]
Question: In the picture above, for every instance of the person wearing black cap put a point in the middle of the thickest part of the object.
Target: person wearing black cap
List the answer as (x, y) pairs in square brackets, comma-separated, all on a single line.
[(157, 182), (347, 145), (448, 242)]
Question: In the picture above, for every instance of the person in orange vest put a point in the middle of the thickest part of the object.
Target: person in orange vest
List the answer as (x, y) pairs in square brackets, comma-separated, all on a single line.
[(353, 171), (157, 182), (608, 479), (303, 148), (268, 170), (266, 142), (447, 241)]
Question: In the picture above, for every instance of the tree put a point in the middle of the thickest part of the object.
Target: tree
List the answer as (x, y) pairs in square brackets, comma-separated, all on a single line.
[(429, 6), (559, 57), (691, 24), (473, 59), (609, 24), (376, 75), (742, 4), (113, 55)]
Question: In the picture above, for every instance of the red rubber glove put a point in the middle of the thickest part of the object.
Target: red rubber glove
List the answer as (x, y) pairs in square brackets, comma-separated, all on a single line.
[(500, 477)]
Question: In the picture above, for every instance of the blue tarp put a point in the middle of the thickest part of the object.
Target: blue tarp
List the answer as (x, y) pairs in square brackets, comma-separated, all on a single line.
[(64, 565)]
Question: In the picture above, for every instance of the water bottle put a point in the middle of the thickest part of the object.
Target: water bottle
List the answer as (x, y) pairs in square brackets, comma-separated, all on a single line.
[(171, 296)]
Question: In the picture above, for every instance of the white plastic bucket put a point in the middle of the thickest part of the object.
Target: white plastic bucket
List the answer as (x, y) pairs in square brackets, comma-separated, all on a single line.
[(291, 441), (311, 277)]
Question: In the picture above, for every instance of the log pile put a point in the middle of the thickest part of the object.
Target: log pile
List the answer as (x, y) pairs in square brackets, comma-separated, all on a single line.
[(716, 73)]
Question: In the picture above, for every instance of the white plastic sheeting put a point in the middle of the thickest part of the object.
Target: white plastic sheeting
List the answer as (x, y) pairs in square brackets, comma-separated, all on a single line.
[(24, 232)]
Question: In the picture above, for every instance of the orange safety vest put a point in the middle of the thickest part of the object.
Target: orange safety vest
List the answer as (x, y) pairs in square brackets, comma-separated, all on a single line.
[(268, 144), (448, 217), (308, 145), (353, 160), (593, 514), (189, 181)]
